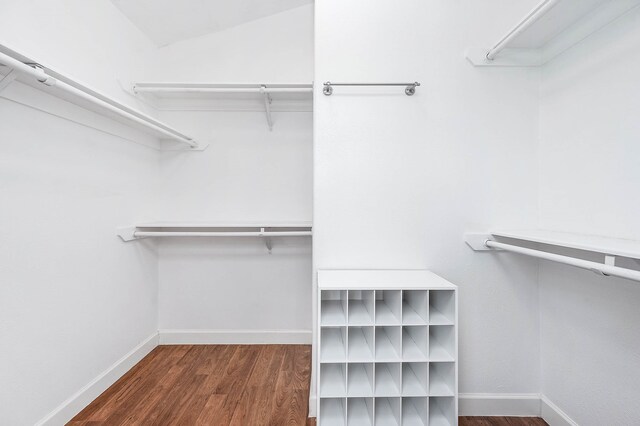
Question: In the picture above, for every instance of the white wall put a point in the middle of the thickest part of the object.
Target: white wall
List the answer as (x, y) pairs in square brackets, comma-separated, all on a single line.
[(278, 48), (248, 174), (589, 173), (74, 299), (399, 180)]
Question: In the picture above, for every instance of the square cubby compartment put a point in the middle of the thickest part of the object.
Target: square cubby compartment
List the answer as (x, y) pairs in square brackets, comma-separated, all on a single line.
[(388, 307), (388, 376), (332, 344), (388, 411), (360, 411), (442, 379), (415, 307), (361, 307), (415, 379), (361, 347), (333, 307), (415, 411), (442, 342), (359, 379), (333, 380), (333, 411), (442, 411), (415, 343), (388, 344), (442, 307)]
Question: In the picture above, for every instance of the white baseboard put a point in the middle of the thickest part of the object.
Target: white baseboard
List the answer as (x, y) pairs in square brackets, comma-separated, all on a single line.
[(237, 337), (554, 415), (313, 401), (501, 404), (74, 404)]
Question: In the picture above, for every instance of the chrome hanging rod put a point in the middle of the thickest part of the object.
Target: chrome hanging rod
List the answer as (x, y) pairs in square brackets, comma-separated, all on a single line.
[(410, 88)]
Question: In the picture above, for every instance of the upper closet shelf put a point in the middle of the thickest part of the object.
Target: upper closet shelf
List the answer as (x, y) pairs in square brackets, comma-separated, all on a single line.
[(17, 67), (552, 27), (611, 248), (267, 97), (593, 243)]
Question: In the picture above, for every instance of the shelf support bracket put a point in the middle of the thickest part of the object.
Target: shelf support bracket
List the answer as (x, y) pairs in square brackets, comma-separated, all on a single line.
[(8, 79), (477, 241), (267, 105), (267, 240)]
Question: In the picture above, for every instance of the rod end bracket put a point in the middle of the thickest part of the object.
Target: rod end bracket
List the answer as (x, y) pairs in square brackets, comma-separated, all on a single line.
[(127, 233), (477, 241)]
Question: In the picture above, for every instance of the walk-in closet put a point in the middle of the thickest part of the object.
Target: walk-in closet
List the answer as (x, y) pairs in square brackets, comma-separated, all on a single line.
[(319, 212)]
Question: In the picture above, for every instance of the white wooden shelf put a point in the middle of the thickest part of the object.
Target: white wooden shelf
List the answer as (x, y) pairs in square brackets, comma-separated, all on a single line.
[(388, 379), (415, 380), (388, 341), (387, 411), (593, 243), (401, 347), (267, 97), (333, 383), (360, 344), (552, 27), (56, 84), (360, 380), (333, 345), (193, 229), (334, 411)]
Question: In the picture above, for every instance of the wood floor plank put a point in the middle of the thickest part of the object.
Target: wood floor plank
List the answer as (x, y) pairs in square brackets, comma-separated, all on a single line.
[(234, 379), (209, 414), (254, 407), (129, 379)]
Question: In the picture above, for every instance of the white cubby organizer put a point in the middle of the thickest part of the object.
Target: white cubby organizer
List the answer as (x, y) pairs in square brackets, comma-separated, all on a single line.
[(387, 349)]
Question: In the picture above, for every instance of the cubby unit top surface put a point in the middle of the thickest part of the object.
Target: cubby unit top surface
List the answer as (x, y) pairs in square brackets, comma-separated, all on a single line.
[(381, 280)]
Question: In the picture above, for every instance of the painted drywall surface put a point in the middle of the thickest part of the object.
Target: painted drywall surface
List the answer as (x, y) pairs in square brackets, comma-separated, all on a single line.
[(248, 174), (167, 21), (74, 299), (278, 48), (589, 173), (399, 179)]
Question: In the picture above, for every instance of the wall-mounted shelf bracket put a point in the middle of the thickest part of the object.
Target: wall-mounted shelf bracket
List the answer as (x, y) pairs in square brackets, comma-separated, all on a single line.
[(127, 233), (267, 106), (477, 241)]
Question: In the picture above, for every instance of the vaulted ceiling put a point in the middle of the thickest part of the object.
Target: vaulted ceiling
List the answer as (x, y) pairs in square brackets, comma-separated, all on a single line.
[(169, 21)]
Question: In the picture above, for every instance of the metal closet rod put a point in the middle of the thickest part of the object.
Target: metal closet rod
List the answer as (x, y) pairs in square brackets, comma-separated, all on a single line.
[(410, 88), (39, 73), (599, 268)]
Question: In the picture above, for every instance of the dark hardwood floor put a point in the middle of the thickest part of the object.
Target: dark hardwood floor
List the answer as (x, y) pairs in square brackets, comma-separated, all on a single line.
[(220, 385), (209, 385)]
